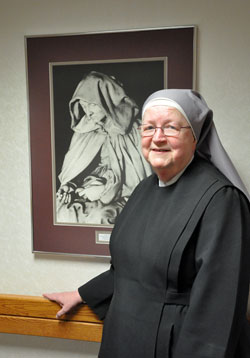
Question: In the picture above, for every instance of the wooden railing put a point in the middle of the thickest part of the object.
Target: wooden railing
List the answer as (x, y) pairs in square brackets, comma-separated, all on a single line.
[(36, 316)]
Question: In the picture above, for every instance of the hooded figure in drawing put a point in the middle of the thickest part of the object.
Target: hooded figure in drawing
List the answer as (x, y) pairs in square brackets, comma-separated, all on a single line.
[(104, 162)]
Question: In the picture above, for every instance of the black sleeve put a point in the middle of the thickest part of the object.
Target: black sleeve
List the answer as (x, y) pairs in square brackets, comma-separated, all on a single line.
[(218, 303), (97, 293)]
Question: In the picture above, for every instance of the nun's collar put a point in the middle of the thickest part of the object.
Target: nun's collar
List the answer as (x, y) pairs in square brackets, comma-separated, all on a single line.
[(175, 178)]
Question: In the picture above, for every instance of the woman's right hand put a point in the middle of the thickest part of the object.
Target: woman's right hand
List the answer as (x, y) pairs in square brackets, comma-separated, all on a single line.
[(67, 300)]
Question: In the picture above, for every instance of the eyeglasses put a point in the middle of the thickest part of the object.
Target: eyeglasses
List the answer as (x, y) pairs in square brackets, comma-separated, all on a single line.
[(148, 130)]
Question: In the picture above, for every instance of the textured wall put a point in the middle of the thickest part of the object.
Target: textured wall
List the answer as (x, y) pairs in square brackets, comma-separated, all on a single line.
[(223, 77)]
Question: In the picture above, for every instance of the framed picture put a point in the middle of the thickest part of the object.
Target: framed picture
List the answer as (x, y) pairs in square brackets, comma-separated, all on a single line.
[(86, 93)]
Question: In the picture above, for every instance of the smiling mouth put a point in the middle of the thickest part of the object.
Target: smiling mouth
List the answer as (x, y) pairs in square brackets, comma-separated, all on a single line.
[(160, 150)]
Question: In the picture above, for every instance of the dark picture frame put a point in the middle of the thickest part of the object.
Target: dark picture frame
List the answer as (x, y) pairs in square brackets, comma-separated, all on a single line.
[(106, 52)]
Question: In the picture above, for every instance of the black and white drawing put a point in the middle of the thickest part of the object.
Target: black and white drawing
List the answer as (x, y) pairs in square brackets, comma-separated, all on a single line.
[(97, 155)]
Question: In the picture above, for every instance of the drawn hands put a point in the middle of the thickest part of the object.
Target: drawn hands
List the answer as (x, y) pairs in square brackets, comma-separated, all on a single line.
[(65, 194)]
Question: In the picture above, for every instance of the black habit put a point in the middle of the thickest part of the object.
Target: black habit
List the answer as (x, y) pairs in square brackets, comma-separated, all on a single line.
[(178, 283)]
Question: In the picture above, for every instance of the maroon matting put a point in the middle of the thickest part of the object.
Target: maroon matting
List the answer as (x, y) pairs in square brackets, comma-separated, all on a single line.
[(177, 44)]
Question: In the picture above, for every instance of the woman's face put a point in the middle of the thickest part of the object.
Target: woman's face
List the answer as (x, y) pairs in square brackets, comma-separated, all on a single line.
[(167, 155)]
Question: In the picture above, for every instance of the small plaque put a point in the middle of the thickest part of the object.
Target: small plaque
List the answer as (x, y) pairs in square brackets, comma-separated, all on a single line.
[(102, 237)]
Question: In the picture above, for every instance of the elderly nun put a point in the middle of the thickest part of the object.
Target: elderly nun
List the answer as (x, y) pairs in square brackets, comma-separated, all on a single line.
[(178, 283)]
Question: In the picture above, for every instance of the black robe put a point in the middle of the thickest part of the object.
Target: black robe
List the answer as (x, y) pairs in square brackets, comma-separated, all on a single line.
[(178, 283)]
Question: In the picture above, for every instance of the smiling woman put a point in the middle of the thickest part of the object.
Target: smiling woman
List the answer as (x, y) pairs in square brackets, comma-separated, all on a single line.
[(167, 141), (179, 279)]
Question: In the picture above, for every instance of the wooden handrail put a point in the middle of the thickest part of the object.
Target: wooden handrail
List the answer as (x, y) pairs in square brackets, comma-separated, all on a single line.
[(32, 315), (36, 316)]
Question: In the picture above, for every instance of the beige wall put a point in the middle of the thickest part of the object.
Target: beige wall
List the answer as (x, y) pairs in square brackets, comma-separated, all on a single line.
[(223, 77)]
